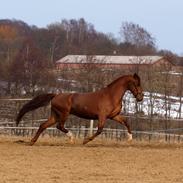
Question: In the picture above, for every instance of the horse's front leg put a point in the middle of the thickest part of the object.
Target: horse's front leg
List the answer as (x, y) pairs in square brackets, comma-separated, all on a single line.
[(99, 131), (122, 120)]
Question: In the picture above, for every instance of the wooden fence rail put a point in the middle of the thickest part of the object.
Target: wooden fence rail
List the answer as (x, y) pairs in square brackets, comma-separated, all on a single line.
[(114, 134)]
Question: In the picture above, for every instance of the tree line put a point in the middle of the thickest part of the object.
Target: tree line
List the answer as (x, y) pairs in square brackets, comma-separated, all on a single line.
[(28, 53)]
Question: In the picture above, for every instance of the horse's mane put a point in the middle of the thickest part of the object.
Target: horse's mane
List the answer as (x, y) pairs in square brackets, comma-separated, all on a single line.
[(135, 76), (115, 81)]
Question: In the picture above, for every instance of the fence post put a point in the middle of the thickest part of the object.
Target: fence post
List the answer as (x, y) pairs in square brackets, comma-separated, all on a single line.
[(91, 127), (91, 121)]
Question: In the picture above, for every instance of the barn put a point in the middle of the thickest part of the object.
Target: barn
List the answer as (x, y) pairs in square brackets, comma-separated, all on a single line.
[(111, 61)]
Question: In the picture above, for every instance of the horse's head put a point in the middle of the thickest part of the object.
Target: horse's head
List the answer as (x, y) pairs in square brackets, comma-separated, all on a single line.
[(135, 87)]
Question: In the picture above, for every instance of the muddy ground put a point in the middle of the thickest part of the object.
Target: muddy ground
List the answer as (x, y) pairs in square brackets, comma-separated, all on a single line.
[(53, 160)]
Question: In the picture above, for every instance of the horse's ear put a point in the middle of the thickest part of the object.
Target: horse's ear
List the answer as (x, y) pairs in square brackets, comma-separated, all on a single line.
[(136, 77)]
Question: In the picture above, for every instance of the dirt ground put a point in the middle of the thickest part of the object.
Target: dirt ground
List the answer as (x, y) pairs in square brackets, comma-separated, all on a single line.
[(54, 160)]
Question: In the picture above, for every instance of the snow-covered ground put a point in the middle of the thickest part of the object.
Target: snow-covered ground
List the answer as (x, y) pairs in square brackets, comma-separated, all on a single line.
[(155, 104)]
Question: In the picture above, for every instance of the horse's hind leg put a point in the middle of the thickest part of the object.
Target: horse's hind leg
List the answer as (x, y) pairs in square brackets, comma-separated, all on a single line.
[(51, 121), (60, 126), (122, 120), (99, 131)]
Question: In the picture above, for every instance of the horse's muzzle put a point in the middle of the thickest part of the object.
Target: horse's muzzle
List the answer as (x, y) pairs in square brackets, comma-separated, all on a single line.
[(139, 97)]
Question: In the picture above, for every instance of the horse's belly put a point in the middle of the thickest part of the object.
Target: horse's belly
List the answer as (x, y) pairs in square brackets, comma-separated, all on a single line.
[(84, 114)]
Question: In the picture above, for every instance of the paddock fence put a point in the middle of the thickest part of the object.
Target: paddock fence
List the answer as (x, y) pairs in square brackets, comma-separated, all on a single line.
[(144, 128), (111, 134)]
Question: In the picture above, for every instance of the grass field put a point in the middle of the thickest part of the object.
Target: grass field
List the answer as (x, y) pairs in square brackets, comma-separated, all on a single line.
[(55, 160)]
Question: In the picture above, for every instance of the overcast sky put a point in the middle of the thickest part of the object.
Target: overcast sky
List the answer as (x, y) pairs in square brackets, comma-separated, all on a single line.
[(162, 18)]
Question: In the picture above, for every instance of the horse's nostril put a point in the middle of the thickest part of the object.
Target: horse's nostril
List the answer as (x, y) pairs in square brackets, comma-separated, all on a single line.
[(140, 97)]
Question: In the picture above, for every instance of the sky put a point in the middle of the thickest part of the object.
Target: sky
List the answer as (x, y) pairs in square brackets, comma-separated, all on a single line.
[(161, 18)]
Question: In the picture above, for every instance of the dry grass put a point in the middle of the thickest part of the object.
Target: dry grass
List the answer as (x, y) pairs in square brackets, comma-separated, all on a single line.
[(54, 160)]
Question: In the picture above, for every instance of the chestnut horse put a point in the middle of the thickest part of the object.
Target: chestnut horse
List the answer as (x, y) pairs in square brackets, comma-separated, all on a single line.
[(103, 104)]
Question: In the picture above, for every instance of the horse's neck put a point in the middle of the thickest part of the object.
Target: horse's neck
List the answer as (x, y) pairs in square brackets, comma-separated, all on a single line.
[(119, 87)]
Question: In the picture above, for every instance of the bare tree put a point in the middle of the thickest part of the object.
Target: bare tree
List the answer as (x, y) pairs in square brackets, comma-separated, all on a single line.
[(180, 92), (28, 68), (139, 37)]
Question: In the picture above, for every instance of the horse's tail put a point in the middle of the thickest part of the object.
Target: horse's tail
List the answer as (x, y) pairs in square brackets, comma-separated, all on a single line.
[(39, 101)]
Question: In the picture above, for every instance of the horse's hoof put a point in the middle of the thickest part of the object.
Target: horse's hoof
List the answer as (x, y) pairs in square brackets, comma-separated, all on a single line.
[(129, 140), (72, 141), (129, 135), (86, 140), (31, 143)]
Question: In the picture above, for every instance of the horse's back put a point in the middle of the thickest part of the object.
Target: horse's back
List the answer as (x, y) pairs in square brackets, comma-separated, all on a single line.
[(62, 101)]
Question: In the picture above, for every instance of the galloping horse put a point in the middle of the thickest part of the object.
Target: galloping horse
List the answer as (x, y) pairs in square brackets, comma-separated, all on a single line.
[(103, 104)]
